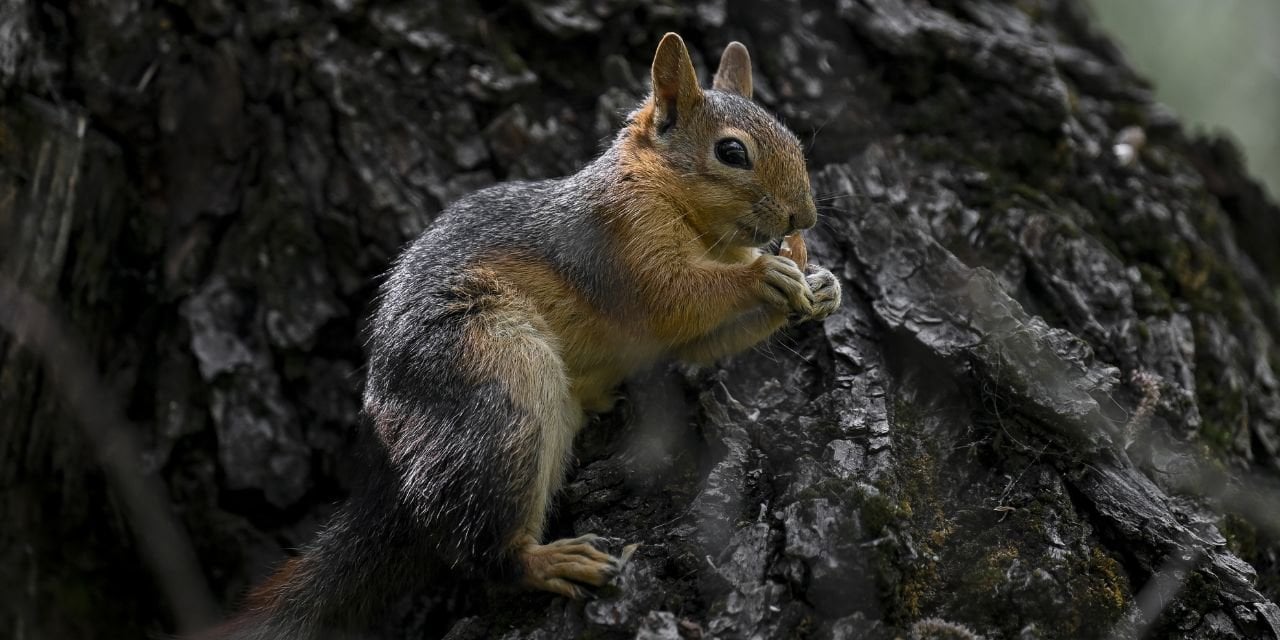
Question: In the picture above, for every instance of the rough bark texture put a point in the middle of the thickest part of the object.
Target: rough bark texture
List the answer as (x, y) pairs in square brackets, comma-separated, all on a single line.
[(1048, 409)]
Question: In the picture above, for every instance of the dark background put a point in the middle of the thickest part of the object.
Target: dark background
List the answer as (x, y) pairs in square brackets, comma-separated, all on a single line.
[(1049, 407)]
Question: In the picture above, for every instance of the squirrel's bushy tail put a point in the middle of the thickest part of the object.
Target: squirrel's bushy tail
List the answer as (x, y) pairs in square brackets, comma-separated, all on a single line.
[(331, 590), (441, 501), (364, 558)]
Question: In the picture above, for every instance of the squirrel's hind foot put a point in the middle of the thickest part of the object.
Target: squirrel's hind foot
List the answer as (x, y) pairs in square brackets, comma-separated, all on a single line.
[(569, 567)]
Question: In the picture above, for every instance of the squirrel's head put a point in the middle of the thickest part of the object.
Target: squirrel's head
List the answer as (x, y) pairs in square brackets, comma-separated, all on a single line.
[(738, 174)]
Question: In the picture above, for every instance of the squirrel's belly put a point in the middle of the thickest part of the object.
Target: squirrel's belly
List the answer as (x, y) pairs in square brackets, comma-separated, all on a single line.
[(595, 375)]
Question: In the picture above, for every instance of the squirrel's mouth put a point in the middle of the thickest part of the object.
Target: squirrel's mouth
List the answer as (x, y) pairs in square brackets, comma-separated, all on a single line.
[(759, 238)]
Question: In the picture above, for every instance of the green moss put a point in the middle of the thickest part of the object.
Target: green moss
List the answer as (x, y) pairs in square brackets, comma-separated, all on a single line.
[(989, 575), (1105, 594), (995, 571), (917, 587), (1224, 409), (1130, 113), (1241, 535), (1198, 593), (1207, 285), (1144, 331), (1217, 436), (879, 513), (989, 578), (918, 509), (1154, 278)]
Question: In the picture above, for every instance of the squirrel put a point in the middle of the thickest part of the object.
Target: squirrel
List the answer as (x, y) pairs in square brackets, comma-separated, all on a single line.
[(518, 312)]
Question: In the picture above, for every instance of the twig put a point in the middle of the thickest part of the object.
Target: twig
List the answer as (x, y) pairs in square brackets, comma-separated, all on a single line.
[(161, 540)]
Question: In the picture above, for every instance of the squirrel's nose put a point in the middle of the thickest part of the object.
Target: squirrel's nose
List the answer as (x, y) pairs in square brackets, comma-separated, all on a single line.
[(805, 219)]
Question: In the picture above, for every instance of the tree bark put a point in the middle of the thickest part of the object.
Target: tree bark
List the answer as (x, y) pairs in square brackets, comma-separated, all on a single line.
[(1048, 408)]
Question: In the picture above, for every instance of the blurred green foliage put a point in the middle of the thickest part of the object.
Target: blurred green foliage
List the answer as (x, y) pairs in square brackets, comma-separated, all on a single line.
[(1215, 62)]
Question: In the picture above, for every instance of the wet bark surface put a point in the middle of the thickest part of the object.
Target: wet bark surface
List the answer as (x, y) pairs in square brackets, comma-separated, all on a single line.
[(1048, 408)]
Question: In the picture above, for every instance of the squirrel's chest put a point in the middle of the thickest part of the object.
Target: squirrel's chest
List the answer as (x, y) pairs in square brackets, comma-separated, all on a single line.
[(599, 347)]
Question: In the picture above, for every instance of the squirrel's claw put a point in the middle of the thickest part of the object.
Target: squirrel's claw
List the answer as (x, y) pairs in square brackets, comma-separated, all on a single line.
[(586, 538)]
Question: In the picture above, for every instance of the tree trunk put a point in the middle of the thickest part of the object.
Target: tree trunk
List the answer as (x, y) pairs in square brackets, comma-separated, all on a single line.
[(1048, 408)]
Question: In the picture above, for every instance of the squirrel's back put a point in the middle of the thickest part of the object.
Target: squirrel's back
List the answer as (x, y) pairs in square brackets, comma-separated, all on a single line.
[(557, 221)]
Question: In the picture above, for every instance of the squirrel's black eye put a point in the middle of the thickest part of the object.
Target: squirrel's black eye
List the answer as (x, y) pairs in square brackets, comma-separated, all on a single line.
[(732, 152)]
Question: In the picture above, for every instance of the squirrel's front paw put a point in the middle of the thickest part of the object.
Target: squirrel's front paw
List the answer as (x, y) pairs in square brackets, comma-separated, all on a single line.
[(783, 286), (826, 292)]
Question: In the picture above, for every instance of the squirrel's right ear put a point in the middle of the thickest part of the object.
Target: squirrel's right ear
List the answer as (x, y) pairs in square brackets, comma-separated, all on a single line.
[(675, 83), (734, 74)]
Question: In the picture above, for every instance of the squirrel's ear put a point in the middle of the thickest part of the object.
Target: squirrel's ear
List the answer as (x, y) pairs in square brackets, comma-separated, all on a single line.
[(734, 74), (675, 83)]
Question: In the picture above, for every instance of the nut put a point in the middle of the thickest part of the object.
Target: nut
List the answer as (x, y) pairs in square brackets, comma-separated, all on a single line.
[(793, 247)]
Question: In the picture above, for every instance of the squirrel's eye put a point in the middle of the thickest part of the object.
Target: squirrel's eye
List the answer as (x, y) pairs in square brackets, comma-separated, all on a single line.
[(732, 152)]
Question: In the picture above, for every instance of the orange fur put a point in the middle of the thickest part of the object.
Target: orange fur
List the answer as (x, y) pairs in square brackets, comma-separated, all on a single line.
[(690, 279), (597, 349), (266, 596)]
